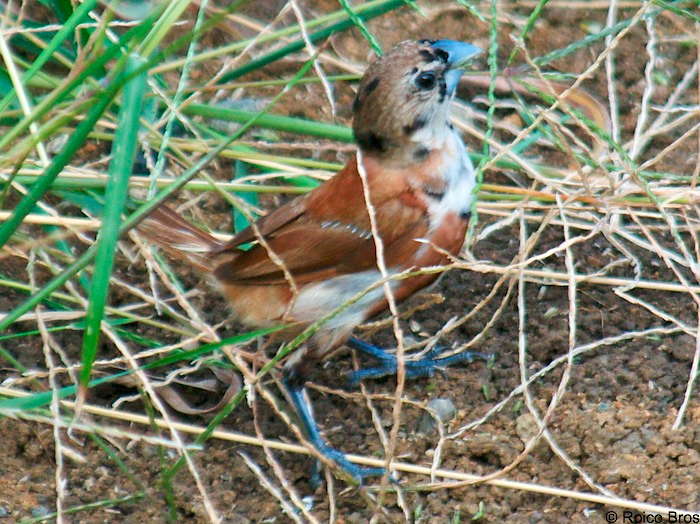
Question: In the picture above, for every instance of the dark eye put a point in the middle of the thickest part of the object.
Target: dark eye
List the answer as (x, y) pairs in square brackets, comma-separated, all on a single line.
[(426, 80)]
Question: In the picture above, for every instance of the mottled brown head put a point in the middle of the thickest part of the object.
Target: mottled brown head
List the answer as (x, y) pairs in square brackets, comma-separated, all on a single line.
[(402, 103)]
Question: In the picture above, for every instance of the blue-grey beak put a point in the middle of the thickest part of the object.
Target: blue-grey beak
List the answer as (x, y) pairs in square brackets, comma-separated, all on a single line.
[(459, 54)]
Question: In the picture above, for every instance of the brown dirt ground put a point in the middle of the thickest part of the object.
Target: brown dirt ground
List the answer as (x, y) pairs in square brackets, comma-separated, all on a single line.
[(614, 422)]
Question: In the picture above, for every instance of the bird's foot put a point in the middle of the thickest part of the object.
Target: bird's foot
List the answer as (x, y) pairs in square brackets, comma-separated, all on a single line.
[(303, 409), (425, 367), (358, 473)]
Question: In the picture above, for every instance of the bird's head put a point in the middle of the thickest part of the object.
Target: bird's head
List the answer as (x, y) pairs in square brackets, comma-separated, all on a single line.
[(402, 104)]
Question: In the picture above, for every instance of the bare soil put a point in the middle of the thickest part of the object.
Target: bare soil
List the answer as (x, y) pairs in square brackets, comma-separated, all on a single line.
[(614, 421)]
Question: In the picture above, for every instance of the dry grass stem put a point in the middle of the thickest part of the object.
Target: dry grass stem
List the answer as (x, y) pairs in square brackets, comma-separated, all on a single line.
[(586, 251), (459, 477)]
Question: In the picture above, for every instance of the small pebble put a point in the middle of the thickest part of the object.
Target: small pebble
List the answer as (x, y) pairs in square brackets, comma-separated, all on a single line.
[(445, 410), (40, 511), (526, 427), (308, 502)]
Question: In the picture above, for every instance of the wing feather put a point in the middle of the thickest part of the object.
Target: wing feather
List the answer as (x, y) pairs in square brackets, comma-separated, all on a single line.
[(326, 233)]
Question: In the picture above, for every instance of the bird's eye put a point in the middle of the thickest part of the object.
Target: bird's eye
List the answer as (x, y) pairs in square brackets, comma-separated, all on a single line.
[(426, 80)]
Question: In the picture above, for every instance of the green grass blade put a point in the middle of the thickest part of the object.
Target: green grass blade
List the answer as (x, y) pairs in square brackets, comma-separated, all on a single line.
[(75, 141), (679, 10), (299, 44), (240, 221), (10, 358), (109, 53), (123, 154), (237, 46), (38, 400), (360, 24), (133, 219), (162, 26), (62, 8), (91, 506), (78, 16), (588, 40), (180, 181), (534, 16), (277, 122)]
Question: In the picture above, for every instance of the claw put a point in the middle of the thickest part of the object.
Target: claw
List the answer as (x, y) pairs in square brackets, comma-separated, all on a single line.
[(358, 473), (425, 367)]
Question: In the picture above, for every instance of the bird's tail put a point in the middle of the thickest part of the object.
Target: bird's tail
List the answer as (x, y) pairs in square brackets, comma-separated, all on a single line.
[(179, 238)]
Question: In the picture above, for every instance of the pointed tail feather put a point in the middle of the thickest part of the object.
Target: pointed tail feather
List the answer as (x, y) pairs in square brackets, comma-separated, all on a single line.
[(179, 238)]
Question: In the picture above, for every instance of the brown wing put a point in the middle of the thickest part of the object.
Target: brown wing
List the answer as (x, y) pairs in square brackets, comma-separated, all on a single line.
[(268, 225), (327, 233)]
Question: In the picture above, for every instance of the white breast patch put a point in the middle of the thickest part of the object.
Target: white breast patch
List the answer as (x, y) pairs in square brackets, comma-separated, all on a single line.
[(320, 299), (460, 179)]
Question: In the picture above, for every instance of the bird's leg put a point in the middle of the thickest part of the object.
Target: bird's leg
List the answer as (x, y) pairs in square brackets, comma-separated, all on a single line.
[(425, 367), (294, 383)]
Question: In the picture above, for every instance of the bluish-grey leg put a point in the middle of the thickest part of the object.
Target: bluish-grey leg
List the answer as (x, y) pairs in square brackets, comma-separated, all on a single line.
[(295, 389), (425, 367)]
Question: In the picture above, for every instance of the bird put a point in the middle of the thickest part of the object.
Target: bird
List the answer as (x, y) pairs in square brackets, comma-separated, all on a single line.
[(316, 252)]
